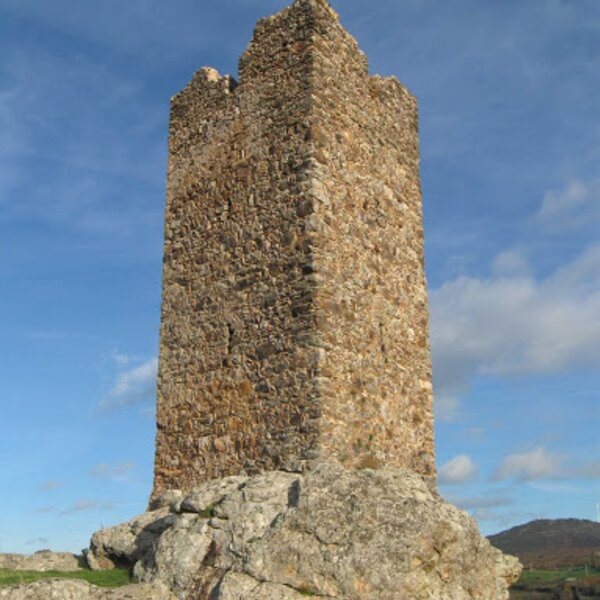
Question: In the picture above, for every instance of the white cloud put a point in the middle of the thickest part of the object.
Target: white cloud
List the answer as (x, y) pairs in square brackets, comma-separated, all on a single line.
[(88, 505), (528, 466), (446, 399), (513, 324), (78, 507), (576, 206), (482, 502), (119, 472), (41, 541), (557, 487), (133, 386), (50, 485), (511, 263), (120, 358), (491, 507), (458, 470)]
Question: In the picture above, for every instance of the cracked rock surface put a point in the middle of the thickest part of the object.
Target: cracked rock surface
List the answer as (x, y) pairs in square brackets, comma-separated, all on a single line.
[(330, 533)]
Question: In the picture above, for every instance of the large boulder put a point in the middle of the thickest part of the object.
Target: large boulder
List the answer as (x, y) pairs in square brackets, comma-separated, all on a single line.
[(332, 533), (125, 544)]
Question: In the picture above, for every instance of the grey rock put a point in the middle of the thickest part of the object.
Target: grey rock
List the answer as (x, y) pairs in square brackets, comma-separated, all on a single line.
[(236, 586), (209, 494), (379, 535), (62, 589), (178, 554), (248, 512), (332, 533), (44, 560), (125, 544), (242, 509), (168, 499)]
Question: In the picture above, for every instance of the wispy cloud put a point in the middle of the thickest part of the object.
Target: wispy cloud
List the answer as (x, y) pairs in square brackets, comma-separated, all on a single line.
[(133, 386), (513, 324), (63, 118), (489, 507), (51, 485), (557, 487), (78, 507), (88, 505), (41, 541), (538, 463), (572, 208), (121, 359), (460, 469), (489, 501), (119, 472)]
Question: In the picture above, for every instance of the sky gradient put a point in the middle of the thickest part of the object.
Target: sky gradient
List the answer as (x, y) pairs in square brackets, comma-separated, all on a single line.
[(510, 139)]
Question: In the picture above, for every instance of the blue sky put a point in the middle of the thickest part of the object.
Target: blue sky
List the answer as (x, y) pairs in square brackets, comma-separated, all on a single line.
[(510, 126)]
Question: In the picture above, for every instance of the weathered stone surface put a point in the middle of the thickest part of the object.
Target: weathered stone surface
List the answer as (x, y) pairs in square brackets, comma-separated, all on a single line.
[(332, 532), (178, 554), (237, 587), (126, 543), (246, 514), (216, 538), (168, 499), (294, 320), (60, 589), (44, 560), (206, 496), (378, 535)]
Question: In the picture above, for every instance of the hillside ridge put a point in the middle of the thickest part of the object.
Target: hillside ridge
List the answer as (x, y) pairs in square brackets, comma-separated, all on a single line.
[(548, 543)]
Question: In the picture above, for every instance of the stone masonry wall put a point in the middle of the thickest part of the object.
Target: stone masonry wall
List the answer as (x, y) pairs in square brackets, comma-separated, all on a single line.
[(294, 317), (367, 235)]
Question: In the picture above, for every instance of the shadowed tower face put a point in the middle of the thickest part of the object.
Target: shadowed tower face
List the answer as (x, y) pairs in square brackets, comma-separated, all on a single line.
[(294, 319)]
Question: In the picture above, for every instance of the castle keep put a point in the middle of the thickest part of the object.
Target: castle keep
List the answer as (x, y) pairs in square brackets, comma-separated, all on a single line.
[(294, 320)]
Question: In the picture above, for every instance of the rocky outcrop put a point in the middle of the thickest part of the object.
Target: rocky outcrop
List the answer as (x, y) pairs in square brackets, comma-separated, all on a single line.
[(124, 545), (44, 560), (60, 589), (332, 533)]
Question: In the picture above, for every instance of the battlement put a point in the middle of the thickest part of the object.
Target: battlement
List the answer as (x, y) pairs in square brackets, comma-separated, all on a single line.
[(294, 320)]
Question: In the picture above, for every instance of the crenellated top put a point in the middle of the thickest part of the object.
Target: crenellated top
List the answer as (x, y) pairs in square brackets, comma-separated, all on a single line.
[(297, 27)]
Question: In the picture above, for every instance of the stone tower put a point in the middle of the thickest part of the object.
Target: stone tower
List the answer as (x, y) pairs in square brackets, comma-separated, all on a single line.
[(294, 319)]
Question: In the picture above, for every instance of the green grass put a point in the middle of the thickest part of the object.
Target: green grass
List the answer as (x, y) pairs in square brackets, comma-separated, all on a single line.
[(550, 575), (107, 579), (209, 512), (306, 592)]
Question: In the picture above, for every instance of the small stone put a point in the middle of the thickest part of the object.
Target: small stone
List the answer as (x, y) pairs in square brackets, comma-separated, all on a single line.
[(305, 208)]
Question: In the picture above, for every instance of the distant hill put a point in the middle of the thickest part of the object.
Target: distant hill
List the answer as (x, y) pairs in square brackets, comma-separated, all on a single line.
[(547, 543)]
